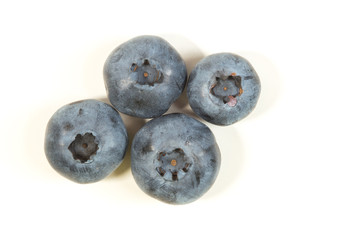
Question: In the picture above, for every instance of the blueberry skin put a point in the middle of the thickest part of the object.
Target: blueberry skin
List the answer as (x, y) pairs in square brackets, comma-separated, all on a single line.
[(144, 76), (85, 141), (175, 158), (223, 88)]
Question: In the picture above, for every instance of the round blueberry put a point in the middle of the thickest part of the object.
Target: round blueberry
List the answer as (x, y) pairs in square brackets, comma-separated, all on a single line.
[(144, 76), (85, 141), (175, 158), (223, 88)]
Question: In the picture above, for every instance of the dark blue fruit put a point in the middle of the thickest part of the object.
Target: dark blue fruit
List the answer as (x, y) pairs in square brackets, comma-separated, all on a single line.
[(223, 88), (144, 76), (85, 141), (175, 158)]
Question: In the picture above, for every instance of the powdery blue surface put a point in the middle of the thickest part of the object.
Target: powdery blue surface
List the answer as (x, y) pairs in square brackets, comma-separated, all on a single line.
[(92, 117), (168, 134), (203, 78), (124, 77)]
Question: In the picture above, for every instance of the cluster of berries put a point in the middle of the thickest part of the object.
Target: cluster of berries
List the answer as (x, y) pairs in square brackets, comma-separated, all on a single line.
[(174, 158)]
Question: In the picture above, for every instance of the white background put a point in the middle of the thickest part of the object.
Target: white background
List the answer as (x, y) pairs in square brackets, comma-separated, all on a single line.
[(290, 170)]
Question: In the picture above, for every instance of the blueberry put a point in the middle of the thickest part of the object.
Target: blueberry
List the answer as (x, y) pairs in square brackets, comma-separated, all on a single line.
[(223, 88), (175, 158), (85, 141), (144, 76)]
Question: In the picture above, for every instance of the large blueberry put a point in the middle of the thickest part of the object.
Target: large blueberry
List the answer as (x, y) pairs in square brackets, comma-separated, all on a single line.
[(223, 88), (175, 158), (85, 141), (144, 76)]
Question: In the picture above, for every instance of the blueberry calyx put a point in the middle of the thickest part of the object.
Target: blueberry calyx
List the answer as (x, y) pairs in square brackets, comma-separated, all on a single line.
[(173, 165), (227, 88), (83, 147), (146, 73)]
